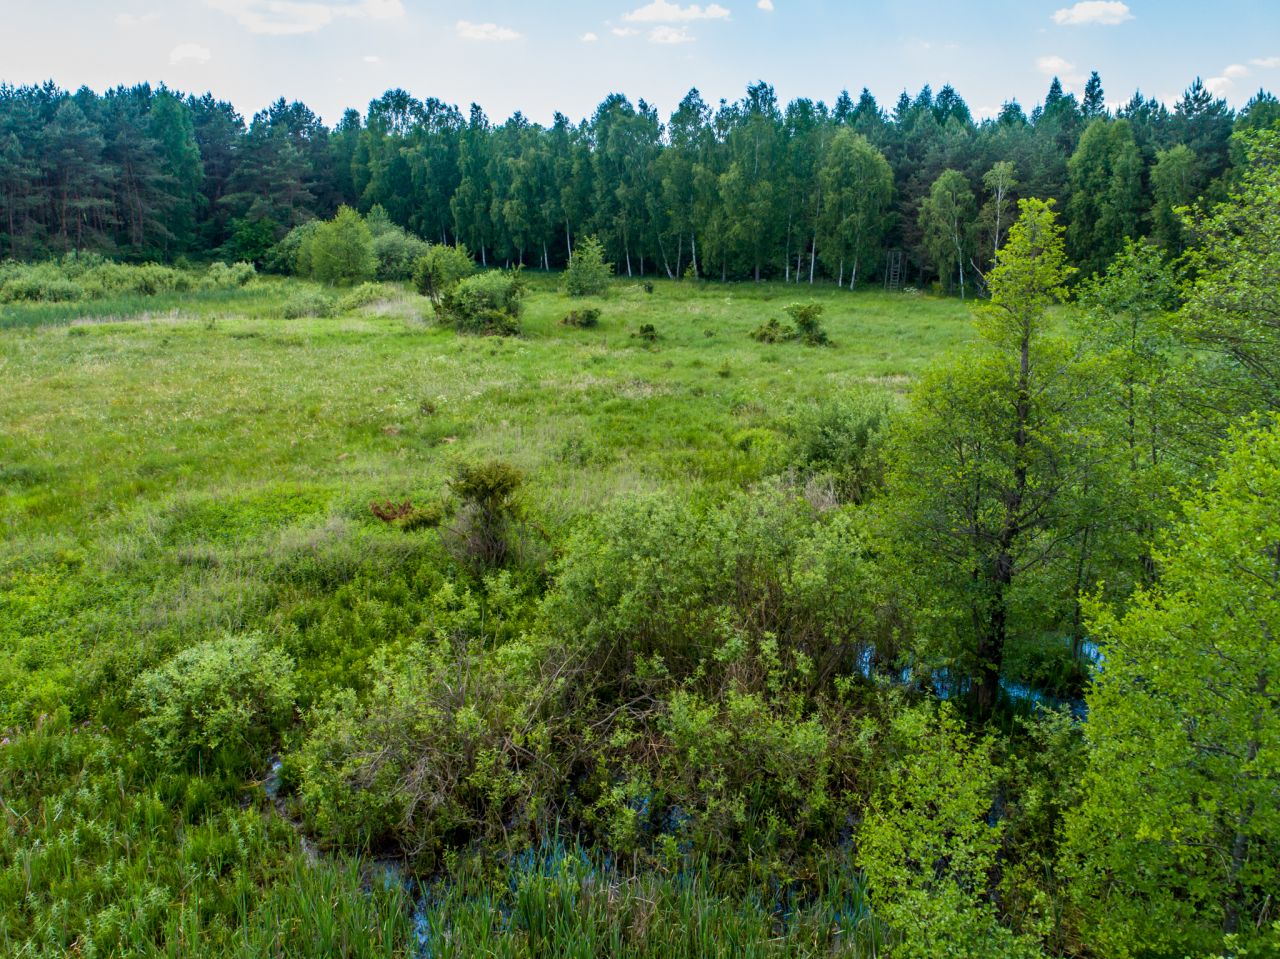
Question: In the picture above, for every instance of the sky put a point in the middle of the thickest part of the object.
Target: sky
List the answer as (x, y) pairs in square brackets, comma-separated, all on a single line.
[(543, 56)]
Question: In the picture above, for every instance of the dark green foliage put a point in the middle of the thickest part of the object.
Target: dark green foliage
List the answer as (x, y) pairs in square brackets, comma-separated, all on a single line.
[(583, 319), (647, 332), (773, 331), (807, 318), (439, 270), (485, 531)]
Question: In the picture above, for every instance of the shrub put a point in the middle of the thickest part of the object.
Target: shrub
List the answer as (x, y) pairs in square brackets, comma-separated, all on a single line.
[(306, 303), (292, 255), (587, 274), (807, 318), (773, 332), (363, 295), (843, 439), (119, 279), (396, 253), (488, 303), (484, 534), (341, 250), (38, 284), (647, 332), (582, 319), (221, 276), (222, 702), (440, 269), (440, 752)]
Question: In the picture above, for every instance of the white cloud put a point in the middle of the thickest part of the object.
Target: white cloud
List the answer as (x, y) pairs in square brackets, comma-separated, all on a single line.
[(1060, 67), (1105, 12), (485, 31), (766, 5), (624, 32), (1219, 86), (285, 17), (136, 19), (1267, 63), (670, 35), (1051, 66), (589, 38), (1236, 71), (663, 11), (193, 52), (373, 58)]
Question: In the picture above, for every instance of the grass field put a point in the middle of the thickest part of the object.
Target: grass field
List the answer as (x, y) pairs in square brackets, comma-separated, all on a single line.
[(207, 442), (175, 469)]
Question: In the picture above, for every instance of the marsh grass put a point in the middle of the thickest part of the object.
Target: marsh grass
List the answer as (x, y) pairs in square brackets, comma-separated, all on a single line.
[(175, 468)]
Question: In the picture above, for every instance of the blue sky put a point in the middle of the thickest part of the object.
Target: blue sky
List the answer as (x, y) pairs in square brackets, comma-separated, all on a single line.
[(566, 55)]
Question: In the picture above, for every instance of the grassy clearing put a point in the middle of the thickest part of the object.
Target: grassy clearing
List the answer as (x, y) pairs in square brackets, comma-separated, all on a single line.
[(177, 468)]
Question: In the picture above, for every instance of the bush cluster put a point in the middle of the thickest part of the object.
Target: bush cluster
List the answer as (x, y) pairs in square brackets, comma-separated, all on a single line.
[(88, 277), (488, 304), (582, 319), (587, 273)]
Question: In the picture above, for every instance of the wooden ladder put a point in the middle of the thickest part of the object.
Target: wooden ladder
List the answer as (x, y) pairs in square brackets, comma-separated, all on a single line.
[(893, 271)]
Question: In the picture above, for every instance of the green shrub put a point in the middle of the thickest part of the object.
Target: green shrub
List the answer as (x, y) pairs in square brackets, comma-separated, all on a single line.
[(292, 255), (365, 294), (149, 279), (807, 318), (842, 439), (488, 303), (222, 703), (587, 274), (44, 283), (647, 332), (485, 534), (440, 269), (341, 249), (773, 332), (442, 751), (584, 318), (306, 303), (396, 253), (221, 276)]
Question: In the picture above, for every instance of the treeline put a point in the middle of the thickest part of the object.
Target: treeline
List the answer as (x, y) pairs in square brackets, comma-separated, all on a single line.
[(750, 189)]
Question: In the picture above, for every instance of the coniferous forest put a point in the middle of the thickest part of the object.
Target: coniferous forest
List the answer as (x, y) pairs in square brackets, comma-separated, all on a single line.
[(768, 531)]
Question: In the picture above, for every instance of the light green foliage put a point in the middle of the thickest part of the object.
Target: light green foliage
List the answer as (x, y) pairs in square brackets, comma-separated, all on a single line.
[(843, 440), (446, 746), (948, 219), (1233, 302), (441, 269), (222, 702), (395, 250), (1001, 182), (292, 255), (223, 276), (927, 846), (985, 466), (587, 274), (807, 318), (489, 303), (366, 294), (341, 250), (309, 303), (857, 188), (1174, 841)]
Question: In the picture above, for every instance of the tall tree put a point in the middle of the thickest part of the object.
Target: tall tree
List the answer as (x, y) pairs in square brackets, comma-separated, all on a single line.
[(1106, 194), (857, 192), (948, 221)]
